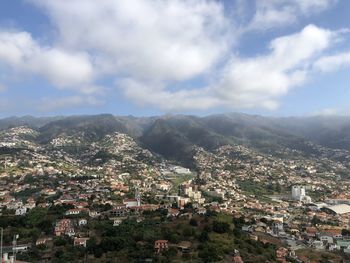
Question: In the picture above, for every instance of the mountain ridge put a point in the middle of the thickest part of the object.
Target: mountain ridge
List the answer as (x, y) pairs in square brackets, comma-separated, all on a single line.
[(176, 136)]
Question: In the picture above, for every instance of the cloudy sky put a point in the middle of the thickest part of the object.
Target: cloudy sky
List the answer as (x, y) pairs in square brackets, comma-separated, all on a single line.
[(145, 57)]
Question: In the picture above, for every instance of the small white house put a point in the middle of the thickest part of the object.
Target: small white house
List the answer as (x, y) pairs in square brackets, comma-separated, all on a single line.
[(80, 241), (82, 222), (21, 211), (73, 212), (117, 222), (317, 244), (94, 214), (70, 232), (326, 239)]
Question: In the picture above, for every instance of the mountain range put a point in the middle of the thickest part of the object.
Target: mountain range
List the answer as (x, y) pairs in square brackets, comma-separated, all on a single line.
[(175, 136)]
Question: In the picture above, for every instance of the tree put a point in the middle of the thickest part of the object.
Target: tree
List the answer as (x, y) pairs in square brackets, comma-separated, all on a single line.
[(91, 245), (315, 220), (170, 253), (41, 247), (345, 232), (220, 227), (209, 254), (188, 231), (60, 242), (193, 222), (203, 237), (98, 252), (45, 225), (174, 238)]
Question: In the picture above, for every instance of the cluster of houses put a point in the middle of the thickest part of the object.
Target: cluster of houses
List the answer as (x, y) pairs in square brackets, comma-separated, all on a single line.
[(228, 180)]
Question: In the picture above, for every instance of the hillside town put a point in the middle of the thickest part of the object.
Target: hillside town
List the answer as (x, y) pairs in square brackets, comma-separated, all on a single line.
[(174, 131), (296, 204)]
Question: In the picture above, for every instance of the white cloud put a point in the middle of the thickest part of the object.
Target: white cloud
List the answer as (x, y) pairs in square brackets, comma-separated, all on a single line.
[(156, 94), (163, 40), (151, 46), (246, 82), (277, 13), (326, 112), (52, 104), (333, 62), (312, 6), (258, 81), (64, 69)]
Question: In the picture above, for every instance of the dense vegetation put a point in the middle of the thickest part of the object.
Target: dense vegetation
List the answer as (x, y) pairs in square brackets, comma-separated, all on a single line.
[(212, 237)]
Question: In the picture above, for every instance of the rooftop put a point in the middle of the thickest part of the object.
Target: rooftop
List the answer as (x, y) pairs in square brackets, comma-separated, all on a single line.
[(340, 209)]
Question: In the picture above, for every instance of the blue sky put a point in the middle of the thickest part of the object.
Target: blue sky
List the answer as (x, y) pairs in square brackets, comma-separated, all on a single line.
[(144, 57)]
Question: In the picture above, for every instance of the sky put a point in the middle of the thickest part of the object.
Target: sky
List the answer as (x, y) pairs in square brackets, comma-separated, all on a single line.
[(152, 57)]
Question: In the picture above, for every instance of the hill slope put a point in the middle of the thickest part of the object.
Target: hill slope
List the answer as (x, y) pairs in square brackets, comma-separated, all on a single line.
[(176, 137)]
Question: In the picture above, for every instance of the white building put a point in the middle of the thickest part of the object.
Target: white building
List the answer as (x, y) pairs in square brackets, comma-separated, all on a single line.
[(80, 241), (117, 222), (298, 192), (21, 211), (73, 212), (339, 209), (181, 170), (130, 202), (82, 222)]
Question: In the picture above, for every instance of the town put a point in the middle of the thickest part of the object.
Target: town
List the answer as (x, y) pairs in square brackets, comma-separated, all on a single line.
[(53, 201), (174, 131)]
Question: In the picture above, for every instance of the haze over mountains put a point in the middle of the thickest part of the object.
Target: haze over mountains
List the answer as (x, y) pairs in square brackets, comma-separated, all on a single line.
[(175, 137)]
